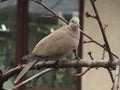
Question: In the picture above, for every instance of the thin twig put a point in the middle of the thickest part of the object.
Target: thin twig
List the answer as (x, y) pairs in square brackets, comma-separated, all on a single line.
[(89, 15), (105, 39), (54, 13), (43, 16), (81, 74), (102, 30), (33, 77), (97, 43), (87, 42), (90, 54), (111, 75), (103, 54)]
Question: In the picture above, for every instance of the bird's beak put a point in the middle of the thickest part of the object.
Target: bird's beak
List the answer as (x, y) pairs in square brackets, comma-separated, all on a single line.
[(78, 25)]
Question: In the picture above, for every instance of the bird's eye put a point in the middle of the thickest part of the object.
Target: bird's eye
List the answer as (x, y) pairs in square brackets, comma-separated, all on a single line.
[(72, 21)]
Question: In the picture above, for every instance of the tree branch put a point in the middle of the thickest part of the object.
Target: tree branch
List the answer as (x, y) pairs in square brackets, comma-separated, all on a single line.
[(54, 13), (52, 64), (102, 30), (116, 80)]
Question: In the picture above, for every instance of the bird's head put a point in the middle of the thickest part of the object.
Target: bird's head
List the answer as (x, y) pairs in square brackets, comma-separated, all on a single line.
[(74, 23)]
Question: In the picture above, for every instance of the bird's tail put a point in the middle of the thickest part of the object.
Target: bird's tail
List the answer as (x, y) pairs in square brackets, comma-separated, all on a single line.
[(25, 69), (29, 56)]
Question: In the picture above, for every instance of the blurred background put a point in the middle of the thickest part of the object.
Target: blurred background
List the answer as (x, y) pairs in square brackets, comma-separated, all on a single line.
[(22, 26)]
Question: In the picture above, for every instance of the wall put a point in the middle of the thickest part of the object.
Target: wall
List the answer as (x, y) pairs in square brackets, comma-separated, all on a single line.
[(109, 11)]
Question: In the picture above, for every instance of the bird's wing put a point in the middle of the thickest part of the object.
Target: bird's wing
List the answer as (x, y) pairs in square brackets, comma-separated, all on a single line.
[(54, 45)]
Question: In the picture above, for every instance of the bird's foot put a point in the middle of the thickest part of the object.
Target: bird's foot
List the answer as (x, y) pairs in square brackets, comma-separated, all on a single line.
[(59, 63), (76, 55)]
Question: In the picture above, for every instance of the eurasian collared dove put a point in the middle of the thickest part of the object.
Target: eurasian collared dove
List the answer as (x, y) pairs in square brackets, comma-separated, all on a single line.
[(56, 45)]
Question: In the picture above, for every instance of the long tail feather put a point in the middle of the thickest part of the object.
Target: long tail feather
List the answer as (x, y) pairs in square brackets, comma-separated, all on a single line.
[(25, 69)]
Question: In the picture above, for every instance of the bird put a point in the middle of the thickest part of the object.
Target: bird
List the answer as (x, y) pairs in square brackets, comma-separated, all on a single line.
[(55, 46)]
